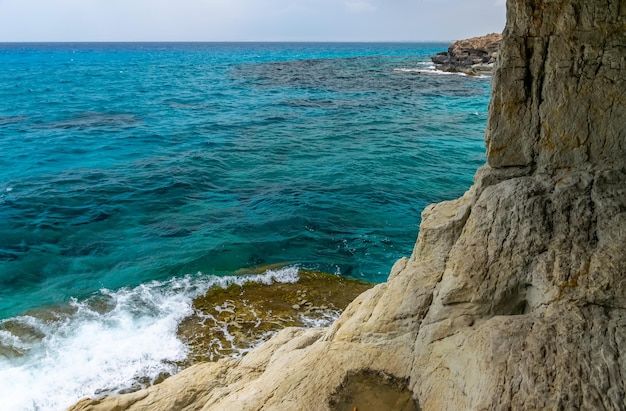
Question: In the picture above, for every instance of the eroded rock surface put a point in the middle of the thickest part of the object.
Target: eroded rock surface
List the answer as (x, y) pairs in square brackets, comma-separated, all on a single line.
[(515, 294), (476, 55)]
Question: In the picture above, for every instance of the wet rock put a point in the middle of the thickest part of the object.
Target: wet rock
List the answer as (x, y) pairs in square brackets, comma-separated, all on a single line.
[(262, 310)]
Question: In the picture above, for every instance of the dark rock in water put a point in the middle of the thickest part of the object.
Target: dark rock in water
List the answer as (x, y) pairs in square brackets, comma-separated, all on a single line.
[(471, 56)]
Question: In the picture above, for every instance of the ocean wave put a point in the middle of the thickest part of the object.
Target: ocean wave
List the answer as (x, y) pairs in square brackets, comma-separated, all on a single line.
[(113, 342), (428, 70), (432, 70), (93, 120), (4, 192), (7, 120)]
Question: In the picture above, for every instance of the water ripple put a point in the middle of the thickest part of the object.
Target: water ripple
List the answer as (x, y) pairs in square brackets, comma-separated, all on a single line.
[(123, 164)]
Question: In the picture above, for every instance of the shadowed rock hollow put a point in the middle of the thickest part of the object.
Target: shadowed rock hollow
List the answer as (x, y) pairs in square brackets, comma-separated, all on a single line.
[(515, 294)]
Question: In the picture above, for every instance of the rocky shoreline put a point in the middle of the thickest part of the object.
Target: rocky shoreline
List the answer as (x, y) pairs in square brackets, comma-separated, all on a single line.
[(472, 56), (231, 321), (514, 296)]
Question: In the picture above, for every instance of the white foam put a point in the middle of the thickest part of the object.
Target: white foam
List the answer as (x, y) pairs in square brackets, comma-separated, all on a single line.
[(9, 340), (428, 70), (112, 342), (433, 71), (288, 275), (324, 319)]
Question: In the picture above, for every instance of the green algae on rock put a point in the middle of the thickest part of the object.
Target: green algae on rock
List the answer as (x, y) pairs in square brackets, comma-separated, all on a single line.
[(231, 321)]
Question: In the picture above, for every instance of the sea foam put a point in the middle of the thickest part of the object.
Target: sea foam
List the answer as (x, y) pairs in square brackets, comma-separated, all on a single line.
[(113, 342)]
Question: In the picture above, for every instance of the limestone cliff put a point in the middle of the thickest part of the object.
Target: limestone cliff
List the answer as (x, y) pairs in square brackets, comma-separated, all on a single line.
[(515, 294), (476, 55)]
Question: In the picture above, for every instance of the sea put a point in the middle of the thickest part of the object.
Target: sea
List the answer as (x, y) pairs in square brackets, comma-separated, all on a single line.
[(134, 176)]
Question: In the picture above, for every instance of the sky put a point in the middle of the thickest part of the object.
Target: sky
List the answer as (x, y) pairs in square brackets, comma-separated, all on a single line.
[(248, 20)]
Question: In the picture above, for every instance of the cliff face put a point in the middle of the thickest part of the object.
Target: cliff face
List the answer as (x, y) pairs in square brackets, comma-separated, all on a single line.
[(515, 295)]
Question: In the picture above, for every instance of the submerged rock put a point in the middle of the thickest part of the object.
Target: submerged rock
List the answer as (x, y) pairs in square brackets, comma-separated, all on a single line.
[(231, 321), (476, 55), (515, 294)]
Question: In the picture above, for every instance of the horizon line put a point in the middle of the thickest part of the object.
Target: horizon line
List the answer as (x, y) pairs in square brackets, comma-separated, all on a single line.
[(221, 41)]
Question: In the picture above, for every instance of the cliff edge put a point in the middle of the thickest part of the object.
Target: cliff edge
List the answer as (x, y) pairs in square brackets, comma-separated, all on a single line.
[(515, 294)]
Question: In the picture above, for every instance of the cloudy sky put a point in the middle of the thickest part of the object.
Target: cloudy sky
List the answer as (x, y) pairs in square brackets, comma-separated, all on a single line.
[(248, 20)]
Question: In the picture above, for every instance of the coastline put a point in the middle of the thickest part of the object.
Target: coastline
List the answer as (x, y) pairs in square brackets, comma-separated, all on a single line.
[(474, 56), (231, 321), (194, 182), (512, 297)]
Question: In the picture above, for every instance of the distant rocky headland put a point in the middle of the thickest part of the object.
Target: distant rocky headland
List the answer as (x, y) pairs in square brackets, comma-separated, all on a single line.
[(473, 56)]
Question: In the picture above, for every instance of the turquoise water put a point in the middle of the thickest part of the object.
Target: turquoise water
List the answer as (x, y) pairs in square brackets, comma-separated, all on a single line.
[(124, 163), (128, 165)]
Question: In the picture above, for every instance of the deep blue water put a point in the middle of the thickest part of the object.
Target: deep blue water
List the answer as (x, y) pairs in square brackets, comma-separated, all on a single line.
[(140, 174)]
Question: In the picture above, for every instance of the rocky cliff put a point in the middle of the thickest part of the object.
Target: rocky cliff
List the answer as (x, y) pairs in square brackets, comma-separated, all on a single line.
[(515, 294), (471, 56)]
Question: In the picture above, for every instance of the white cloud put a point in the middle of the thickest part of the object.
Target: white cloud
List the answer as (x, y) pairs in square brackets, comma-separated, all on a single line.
[(360, 7)]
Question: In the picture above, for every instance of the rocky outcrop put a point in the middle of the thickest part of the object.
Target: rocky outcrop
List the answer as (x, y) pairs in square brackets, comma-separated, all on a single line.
[(515, 294), (471, 56)]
